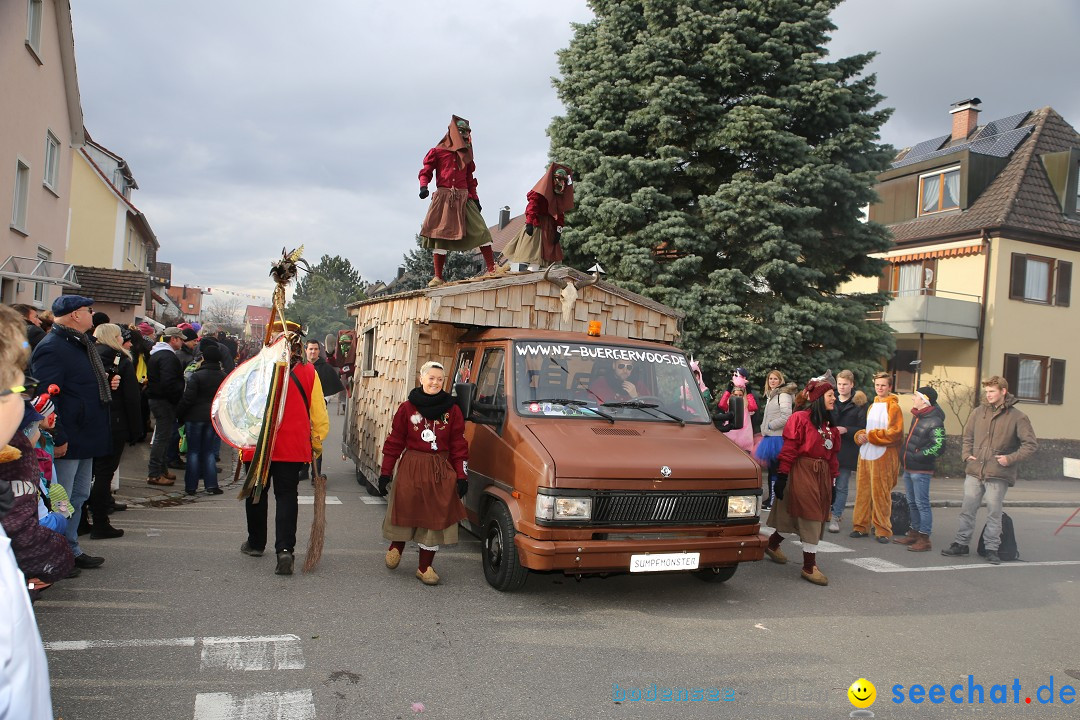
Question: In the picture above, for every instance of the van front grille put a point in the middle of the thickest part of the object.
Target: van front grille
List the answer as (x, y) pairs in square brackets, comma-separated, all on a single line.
[(658, 508)]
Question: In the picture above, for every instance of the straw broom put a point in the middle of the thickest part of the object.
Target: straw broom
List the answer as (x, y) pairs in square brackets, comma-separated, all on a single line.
[(318, 523)]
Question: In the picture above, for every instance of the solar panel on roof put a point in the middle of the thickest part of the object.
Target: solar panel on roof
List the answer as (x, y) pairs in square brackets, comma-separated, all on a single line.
[(998, 139), (1003, 144), (1003, 125)]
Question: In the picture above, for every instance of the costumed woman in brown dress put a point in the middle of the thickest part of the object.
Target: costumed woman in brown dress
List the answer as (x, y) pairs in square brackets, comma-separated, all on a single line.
[(808, 468), (453, 220), (548, 202), (424, 503)]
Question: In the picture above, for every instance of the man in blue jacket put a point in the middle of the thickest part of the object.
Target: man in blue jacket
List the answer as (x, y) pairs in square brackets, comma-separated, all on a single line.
[(66, 357)]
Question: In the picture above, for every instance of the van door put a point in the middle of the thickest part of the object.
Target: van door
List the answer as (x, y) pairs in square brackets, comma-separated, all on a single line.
[(487, 448)]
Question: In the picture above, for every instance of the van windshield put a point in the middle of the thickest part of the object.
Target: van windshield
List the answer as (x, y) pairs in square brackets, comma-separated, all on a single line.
[(594, 379)]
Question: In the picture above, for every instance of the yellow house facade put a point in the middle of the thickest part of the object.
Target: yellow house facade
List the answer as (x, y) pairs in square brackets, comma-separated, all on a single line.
[(986, 232)]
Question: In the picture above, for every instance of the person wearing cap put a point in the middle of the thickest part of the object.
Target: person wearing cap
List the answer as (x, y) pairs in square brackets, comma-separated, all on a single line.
[(879, 462), (194, 413), (924, 443), (804, 481), (186, 352), (164, 388), (300, 434), (997, 437), (66, 358)]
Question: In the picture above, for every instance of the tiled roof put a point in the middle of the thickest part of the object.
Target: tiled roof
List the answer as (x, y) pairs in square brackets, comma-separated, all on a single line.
[(257, 315), (126, 287), (1019, 198), (501, 236)]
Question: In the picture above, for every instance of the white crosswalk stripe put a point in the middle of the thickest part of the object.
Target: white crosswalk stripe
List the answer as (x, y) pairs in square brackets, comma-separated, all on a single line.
[(272, 652), (289, 705), (310, 500)]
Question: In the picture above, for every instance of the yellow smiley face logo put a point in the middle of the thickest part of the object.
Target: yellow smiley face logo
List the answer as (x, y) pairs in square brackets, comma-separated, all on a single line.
[(862, 693)]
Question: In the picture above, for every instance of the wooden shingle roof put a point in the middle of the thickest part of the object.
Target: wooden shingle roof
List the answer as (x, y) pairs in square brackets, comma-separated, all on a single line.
[(126, 287)]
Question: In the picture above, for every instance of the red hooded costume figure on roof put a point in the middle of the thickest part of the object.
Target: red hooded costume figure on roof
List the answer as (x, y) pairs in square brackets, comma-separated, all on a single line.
[(548, 202), (453, 220)]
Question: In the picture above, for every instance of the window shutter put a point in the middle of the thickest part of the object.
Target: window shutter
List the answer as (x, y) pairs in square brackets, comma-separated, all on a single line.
[(1011, 372), (1018, 276), (885, 279), (1057, 382), (1063, 283)]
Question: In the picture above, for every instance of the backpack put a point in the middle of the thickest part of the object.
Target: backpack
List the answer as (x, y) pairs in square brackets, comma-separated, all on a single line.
[(901, 514), (1008, 550)]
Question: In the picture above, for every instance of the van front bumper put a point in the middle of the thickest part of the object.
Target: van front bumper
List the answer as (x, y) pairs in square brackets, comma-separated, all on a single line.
[(574, 556)]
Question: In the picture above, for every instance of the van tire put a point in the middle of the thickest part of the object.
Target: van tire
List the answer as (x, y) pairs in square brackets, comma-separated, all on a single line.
[(502, 566), (716, 574)]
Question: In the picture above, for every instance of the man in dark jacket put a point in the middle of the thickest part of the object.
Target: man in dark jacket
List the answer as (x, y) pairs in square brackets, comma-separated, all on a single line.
[(849, 416), (925, 441), (165, 387), (34, 333), (66, 357), (996, 438), (331, 384), (194, 413)]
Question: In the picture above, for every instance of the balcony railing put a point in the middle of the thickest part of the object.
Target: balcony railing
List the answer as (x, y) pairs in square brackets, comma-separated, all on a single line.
[(941, 313)]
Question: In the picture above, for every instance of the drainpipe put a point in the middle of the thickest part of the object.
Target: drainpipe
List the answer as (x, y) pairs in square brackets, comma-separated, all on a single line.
[(982, 314)]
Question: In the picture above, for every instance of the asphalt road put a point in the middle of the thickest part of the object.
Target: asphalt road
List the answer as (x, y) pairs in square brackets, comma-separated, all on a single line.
[(178, 625)]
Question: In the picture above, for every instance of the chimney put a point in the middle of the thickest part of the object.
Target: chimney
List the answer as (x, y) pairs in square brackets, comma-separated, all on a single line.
[(965, 118), (400, 271), (504, 216)]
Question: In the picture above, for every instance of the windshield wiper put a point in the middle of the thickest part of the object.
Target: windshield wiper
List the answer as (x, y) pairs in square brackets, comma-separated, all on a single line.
[(572, 403), (638, 405)]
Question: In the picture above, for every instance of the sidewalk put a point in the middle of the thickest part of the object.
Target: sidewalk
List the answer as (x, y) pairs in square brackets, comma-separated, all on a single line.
[(949, 492), (134, 490)]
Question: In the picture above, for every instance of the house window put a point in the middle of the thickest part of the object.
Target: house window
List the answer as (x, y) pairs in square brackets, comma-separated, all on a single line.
[(34, 12), (22, 196), (1036, 378), (1042, 280), (939, 191), (917, 278), (130, 243), (39, 288), (52, 160)]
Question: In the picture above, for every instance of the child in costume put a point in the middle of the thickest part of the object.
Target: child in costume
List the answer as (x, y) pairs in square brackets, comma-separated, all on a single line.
[(548, 202), (744, 436)]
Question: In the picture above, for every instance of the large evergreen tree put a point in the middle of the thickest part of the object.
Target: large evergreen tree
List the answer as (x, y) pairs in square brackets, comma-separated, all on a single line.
[(322, 294), (721, 160)]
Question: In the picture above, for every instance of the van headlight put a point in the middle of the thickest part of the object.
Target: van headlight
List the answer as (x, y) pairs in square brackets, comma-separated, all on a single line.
[(739, 506), (550, 507)]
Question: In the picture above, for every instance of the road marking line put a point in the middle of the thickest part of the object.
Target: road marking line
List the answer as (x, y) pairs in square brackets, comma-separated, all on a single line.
[(824, 546), (87, 644), (884, 566), (369, 500), (310, 500), (290, 705), (270, 652)]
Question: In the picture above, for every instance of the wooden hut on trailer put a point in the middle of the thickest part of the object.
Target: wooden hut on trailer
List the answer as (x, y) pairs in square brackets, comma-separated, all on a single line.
[(399, 333)]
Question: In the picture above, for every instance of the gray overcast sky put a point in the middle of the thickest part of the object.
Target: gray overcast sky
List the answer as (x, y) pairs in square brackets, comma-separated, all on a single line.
[(251, 126)]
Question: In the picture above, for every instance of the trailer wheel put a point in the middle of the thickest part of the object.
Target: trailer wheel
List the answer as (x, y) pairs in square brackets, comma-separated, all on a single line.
[(362, 480), (716, 574), (502, 567)]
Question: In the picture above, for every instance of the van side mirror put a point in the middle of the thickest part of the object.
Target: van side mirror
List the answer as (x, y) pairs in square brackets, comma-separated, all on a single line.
[(464, 394), (733, 418)]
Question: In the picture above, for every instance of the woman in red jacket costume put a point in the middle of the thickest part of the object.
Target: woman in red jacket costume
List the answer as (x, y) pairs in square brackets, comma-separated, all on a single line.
[(424, 503), (548, 202), (453, 220), (809, 459)]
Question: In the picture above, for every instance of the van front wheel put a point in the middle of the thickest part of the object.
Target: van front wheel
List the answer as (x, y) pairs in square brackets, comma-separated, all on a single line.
[(715, 574), (502, 566)]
